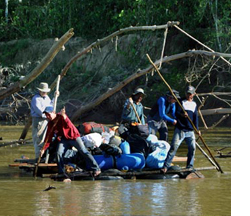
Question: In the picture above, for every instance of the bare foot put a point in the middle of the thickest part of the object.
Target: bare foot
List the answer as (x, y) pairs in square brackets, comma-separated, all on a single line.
[(164, 170), (67, 180), (97, 172)]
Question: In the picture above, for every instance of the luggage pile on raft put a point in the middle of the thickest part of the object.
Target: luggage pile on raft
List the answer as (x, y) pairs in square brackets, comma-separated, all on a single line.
[(121, 153)]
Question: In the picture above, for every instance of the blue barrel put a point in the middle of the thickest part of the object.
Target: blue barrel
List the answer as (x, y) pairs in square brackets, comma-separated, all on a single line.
[(130, 161), (104, 162), (125, 147)]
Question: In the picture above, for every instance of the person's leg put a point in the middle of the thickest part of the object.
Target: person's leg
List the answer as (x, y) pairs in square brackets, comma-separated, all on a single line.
[(163, 131), (152, 127), (38, 134), (61, 149), (92, 164), (176, 141), (190, 140)]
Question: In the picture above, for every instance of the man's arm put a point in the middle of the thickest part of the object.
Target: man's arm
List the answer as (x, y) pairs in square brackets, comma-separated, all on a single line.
[(162, 110)]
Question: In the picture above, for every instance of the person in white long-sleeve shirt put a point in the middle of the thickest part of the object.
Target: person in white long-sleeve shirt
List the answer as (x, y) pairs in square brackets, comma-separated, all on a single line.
[(39, 121)]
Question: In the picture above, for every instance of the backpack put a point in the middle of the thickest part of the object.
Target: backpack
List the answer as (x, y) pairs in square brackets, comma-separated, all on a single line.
[(110, 149), (138, 144), (92, 127), (141, 130), (157, 158)]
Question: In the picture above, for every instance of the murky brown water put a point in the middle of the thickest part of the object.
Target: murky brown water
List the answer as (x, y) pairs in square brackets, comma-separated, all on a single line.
[(21, 194)]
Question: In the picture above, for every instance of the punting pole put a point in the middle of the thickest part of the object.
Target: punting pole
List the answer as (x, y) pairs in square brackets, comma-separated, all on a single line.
[(54, 105), (136, 112), (201, 138)]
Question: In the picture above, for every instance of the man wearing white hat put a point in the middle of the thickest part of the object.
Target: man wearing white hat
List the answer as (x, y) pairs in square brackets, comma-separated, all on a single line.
[(39, 121), (128, 114)]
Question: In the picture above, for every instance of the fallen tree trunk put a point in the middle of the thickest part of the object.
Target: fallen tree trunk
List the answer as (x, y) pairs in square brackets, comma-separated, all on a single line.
[(214, 93), (140, 73), (40, 68), (216, 111), (109, 37)]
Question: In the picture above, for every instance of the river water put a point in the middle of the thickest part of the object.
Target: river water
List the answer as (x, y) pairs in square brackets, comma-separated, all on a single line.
[(21, 194)]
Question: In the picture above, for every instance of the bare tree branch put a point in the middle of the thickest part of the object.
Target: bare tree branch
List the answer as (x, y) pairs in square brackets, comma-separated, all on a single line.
[(216, 111), (140, 73), (110, 37), (40, 68)]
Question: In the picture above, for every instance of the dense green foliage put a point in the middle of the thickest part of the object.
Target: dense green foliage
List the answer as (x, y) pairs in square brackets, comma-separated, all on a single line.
[(208, 19)]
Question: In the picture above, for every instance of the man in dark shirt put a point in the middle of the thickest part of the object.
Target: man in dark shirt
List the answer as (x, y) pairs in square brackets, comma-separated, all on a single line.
[(159, 115), (184, 129)]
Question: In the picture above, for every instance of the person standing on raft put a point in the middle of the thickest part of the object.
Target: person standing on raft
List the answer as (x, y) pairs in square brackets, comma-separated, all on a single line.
[(184, 129)]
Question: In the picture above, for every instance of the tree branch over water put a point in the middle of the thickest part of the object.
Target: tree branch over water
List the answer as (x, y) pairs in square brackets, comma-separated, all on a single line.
[(40, 68), (140, 73)]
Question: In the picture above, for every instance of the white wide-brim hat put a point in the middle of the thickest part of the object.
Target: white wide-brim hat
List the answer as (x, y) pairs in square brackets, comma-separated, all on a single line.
[(43, 87), (139, 90)]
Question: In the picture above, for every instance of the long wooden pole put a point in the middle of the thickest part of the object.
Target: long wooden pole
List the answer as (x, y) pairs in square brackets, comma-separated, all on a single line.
[(136, 112), (57, 89), (170, 89), (55, 103)]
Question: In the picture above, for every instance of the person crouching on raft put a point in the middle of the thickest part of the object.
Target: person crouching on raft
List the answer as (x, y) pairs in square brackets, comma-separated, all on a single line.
[(68, 136)]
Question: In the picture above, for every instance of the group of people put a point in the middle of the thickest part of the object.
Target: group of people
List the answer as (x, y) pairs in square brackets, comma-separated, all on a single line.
[(48, 125), (167, 110)]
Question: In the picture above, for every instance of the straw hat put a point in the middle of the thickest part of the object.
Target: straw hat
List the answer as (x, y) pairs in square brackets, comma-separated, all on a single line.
[(43, 87)]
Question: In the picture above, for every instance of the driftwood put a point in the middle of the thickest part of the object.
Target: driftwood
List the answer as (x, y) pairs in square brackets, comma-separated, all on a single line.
[(40, 68), (140, 73), (89, 48), (216, 111), (110, 37), (26, 128), (15, 143)]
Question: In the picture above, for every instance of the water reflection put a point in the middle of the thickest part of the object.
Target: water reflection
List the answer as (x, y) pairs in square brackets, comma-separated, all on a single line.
[(209, 196)]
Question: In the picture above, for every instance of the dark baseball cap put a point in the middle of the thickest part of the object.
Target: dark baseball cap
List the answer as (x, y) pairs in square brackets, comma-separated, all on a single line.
[(190, 89), (176, 93)]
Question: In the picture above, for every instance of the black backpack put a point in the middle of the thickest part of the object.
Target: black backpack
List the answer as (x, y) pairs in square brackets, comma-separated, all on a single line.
[(110, 149), (138, 144)]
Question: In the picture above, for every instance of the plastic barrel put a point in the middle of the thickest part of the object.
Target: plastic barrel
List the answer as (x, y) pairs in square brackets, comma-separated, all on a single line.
[(104, 162), (130, 161), (125, 147)]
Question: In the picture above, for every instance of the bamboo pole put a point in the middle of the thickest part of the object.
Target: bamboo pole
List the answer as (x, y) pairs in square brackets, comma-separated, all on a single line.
[(170, 89)]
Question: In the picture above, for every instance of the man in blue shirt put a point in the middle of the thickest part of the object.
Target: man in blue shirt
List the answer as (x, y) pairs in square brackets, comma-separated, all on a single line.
[(159, 115), (39, 121), (184, 129)]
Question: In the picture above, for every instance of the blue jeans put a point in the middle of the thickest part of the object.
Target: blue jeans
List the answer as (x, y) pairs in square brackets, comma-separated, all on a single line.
[(65, 144), (178, 137), (160, 126)]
